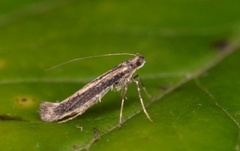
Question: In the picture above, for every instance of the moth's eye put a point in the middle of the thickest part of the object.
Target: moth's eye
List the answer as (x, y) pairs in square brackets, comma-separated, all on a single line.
[(139, 62)]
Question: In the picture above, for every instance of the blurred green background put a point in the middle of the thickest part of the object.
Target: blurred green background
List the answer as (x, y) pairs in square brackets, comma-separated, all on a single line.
[(192, 71)]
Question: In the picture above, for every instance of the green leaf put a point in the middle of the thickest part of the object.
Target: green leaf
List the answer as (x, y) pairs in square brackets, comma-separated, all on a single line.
[(191, 71)]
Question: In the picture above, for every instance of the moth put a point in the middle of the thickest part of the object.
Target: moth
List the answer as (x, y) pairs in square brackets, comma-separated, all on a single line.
[(117, 78)]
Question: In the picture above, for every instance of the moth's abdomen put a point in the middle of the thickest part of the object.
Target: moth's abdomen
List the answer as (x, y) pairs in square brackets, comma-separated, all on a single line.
[(47, 111)]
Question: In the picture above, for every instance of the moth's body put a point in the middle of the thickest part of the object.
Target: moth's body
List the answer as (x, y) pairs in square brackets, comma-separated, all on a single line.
[(117, 79)]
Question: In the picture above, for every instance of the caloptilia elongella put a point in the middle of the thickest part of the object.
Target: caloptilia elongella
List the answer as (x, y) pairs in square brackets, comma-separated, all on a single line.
[(117, 78)]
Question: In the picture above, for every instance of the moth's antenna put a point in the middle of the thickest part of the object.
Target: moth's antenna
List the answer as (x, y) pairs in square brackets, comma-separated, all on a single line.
[(83, 58)]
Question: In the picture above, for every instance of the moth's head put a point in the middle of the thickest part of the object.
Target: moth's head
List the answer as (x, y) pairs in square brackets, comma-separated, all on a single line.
[(137, 62)]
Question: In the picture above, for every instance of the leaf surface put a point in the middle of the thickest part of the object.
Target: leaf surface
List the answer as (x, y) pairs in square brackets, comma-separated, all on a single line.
[(191, 49)]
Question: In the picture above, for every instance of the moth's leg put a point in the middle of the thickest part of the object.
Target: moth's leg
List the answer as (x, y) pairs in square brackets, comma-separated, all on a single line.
[(70, 118), (122, 103), (137, 80), (136, 77)]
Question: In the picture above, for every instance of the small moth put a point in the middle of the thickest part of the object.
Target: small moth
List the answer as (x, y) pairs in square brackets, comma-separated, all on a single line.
[(117, 78)]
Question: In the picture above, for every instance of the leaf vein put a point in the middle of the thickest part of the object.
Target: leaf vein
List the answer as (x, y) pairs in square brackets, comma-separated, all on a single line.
[(205, 90)]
